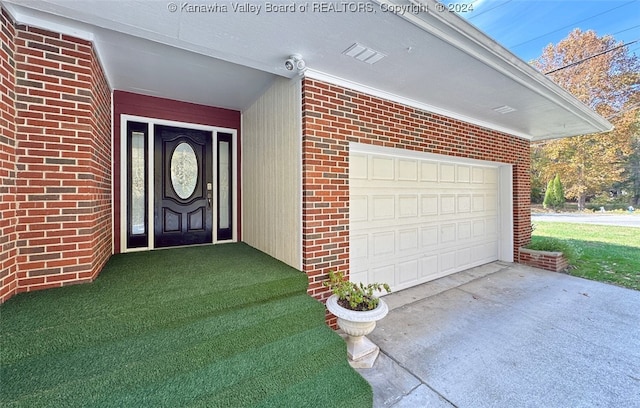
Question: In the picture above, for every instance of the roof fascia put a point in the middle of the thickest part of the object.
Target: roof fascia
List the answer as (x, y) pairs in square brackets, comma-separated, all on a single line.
[(455, 31), (30, 18)]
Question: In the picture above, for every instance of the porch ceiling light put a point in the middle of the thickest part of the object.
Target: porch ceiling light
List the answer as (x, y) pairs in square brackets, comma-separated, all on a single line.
[(364, 54), (295, 63), (504, 109)]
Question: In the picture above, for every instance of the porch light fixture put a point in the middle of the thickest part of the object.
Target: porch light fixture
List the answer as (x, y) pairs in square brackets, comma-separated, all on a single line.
[(295, 63), (364, 54), (504, 109)]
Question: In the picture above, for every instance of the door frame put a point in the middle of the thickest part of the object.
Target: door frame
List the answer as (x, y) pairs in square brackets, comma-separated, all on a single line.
[(152, 122)]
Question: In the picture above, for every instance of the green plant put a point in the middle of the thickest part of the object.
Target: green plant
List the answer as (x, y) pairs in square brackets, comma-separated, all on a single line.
[(354, 296), (570, 252), (554, 196)]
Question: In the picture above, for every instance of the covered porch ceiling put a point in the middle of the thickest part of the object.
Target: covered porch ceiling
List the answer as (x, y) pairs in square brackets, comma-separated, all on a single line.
[(220, 56)]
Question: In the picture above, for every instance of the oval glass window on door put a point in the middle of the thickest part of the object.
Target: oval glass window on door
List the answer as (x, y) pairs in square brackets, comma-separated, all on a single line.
[(184, 170)]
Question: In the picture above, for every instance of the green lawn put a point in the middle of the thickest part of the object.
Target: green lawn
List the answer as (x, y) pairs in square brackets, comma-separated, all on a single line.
[(604, 253), (211, 326)]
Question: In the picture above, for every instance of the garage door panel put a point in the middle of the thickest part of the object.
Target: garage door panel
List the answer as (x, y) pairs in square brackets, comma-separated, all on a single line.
[(414, 220), (491, 202), (479, 253), (408, 240), (491, 227), (408, 272), (383, 274), (408, 206), (382, 168), (448, 262), (428, 171), (429, 267), (359, 275), (358, 166), (464, 230), (428, 205), (447, 173), (359, 247), (464, 174), (383, 244), (478, 202), (478, 228), (463, 257), (447, 233), (447, 204), (359, 208), (490, 175), (407, 170), (429, 236), (464, 203), (477, 175), (384, 207)]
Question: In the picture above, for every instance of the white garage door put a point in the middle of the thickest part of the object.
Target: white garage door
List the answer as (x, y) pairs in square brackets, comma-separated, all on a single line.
[(415, 219)]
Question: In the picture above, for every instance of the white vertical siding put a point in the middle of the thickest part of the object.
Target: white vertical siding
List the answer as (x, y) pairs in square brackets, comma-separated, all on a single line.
[(272, 172)]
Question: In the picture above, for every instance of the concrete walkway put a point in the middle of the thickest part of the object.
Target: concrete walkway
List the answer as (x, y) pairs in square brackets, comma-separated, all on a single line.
[(507, 335)]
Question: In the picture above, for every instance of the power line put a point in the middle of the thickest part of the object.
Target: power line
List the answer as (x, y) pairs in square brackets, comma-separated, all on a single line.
[(626, 29), (492, 8), (628, 109), (571, 25), (590, 57)]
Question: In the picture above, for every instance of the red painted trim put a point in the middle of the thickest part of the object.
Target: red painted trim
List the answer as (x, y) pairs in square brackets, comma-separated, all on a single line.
[(127, 103)]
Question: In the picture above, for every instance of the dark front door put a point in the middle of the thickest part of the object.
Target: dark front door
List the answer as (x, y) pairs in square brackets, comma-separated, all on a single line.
[(183, 212)]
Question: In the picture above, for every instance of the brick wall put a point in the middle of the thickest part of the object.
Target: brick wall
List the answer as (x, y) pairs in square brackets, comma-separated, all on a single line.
[(62, 160), (8, 281), (551, 261), (334, 116)]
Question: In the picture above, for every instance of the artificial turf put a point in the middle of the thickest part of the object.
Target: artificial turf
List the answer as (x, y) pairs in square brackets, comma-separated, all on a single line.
[(210, 326)]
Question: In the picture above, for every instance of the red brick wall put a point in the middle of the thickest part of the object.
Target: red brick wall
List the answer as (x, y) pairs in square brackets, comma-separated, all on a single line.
[(334, 116), (101, 195), (160, 108), (8, 281), (62, 157), (551, 261)]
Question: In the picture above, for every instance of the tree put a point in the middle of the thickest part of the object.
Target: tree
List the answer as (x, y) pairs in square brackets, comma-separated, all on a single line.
[(631, 182), (607, 83), (634, 172), (554, 196), (558, 193)]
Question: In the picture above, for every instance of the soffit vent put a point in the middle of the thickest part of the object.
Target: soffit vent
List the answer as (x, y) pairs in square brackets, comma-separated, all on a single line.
[(504, 109), (364, 54)]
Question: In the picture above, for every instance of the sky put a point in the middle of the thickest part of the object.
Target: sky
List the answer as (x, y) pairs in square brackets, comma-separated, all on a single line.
[(525, 27)]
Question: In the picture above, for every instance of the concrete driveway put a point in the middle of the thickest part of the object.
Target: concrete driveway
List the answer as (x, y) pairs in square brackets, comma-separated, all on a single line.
[(507, 335)]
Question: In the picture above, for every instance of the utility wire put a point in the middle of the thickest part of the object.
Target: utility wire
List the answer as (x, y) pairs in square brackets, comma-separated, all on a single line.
[(589, 57), (570, 25), (487, 10), (628, 109), (626, 29)]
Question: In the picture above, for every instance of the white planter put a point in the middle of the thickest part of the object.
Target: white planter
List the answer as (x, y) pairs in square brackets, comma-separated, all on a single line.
[(356, 325)]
